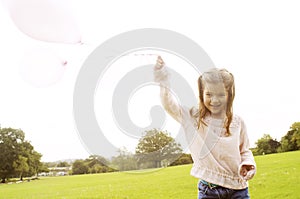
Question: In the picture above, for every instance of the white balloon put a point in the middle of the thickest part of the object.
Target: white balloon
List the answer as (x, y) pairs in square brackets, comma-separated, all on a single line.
[(46, 20), (41, 67)]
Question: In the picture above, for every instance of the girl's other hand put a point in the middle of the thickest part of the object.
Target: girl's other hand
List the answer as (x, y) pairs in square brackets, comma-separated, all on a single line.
[(247, 172), (159, 63)]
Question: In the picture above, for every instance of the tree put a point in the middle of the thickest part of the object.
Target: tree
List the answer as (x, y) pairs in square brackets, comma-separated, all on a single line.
[(183, 159), (97, 164), (35, 163), (266, 145), (97, 159), (125, 161), (9, 139), (20, 166), (79, 167), (93, 164), (291, 141), (63, 164), (157, 146), (33, 159), (17, 157), (296, 135), (42, 168)]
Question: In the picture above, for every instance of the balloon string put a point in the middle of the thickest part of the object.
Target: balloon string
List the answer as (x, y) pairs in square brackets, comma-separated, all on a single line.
[(147, 54), (135, 54)]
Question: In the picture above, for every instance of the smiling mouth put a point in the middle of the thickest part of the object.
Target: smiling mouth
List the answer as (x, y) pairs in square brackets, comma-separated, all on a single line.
[(215, 106)]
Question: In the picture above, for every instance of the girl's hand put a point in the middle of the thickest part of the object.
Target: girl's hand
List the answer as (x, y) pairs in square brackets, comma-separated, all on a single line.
[(159, 63), (247, 172)]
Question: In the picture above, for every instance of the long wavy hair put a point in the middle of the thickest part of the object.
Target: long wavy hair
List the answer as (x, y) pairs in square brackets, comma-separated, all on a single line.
[(216, 76)]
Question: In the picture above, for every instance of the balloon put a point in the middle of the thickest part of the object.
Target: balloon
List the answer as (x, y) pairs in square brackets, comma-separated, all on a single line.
[(41, 67), (45, 20)]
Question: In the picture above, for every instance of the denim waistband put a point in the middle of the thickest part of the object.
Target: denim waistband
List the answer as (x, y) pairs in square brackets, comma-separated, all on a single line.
[(210, 185)]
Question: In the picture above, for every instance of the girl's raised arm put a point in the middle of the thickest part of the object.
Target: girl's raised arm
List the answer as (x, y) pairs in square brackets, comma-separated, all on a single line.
[(161, 76)]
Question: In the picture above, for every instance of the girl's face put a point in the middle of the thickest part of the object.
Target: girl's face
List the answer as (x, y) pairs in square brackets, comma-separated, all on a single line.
[(215, 99)]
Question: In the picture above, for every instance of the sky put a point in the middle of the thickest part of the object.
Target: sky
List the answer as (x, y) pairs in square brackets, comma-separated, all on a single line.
[(257, 41)]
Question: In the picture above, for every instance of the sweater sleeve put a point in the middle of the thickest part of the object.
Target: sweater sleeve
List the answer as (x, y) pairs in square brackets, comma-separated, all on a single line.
[(246, 154), (173, 108)]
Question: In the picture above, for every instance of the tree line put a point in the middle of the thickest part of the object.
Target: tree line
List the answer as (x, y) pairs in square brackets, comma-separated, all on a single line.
[(155, 149), (289, 142)]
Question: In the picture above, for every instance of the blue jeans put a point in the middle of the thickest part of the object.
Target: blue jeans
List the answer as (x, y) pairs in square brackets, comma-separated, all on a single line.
[(205, 192)]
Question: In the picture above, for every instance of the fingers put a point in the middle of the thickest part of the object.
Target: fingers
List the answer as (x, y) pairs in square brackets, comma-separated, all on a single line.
[(159, 63), (249, 174), (249, 167), (243, 172)]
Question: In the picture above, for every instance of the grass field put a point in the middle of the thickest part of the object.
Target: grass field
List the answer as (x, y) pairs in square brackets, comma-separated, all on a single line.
[(278, 176)]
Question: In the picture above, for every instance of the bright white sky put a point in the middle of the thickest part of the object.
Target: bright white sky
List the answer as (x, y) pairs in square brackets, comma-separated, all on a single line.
[(257, 41)]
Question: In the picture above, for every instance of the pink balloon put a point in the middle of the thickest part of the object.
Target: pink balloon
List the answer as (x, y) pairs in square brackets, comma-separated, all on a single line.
[(46, 20), (41, 67)]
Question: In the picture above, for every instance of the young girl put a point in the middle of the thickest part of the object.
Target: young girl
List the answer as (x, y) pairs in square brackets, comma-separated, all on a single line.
[(217, 138)]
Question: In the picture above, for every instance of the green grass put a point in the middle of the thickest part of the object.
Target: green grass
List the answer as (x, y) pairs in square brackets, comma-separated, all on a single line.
[(173, 182), (278, 176)]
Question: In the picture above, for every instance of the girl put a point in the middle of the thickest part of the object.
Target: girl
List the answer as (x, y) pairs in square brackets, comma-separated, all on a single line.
[(217, 139)]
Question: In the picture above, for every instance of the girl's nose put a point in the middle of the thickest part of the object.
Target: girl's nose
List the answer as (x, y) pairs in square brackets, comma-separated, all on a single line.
[(214, 99)]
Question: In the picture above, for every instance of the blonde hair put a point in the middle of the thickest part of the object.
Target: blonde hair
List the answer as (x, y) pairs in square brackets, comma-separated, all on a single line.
[(216, 76)]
